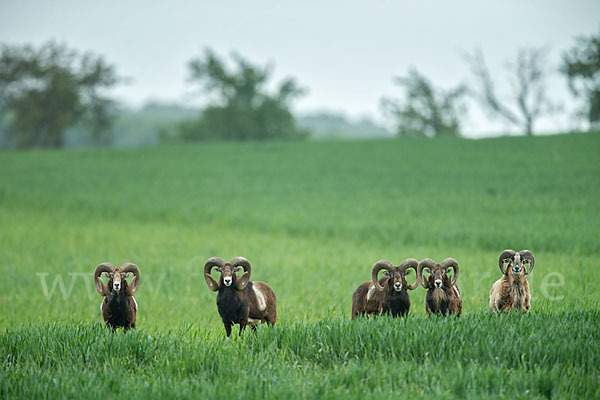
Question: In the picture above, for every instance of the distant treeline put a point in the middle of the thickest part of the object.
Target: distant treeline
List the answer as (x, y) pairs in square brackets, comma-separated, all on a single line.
[(54, 96), (152, 123)]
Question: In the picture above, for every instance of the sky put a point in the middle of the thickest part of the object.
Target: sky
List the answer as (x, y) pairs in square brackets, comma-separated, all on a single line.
[(345, 53)]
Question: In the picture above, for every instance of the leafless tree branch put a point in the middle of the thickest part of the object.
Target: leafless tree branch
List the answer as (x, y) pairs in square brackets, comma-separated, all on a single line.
[(527, 80)]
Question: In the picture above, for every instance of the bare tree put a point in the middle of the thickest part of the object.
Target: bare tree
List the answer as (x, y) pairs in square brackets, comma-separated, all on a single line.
[(527, 78)]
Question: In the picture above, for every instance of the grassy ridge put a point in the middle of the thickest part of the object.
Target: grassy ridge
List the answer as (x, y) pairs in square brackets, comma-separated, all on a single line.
[(412, 191), (312, 218)]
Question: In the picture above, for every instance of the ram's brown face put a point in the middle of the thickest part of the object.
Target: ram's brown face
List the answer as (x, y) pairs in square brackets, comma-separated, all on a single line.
[(397, 279), (228, 273), (438, 276), (116, 279), (516, 264)]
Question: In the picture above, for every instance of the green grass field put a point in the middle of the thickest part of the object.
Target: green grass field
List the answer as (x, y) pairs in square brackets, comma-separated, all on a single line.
[(312, 217)]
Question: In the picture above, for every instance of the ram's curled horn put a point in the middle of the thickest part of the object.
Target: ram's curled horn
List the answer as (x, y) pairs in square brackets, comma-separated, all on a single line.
[(100, 286), (527, 256), (379, 265), (426, 263), (135, 282), (208, 266), (452, 263), (506, 254), (411, 263), (242, 281)]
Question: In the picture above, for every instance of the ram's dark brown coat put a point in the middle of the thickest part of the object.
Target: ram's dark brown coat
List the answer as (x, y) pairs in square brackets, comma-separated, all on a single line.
[(239, 300), (443, 296), (119, 308), (388, 295)]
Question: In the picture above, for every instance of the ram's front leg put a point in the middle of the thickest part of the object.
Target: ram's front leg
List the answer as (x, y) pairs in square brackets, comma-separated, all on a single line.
[(227, 325), (526, 305), (243, 324), (244, 313)]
